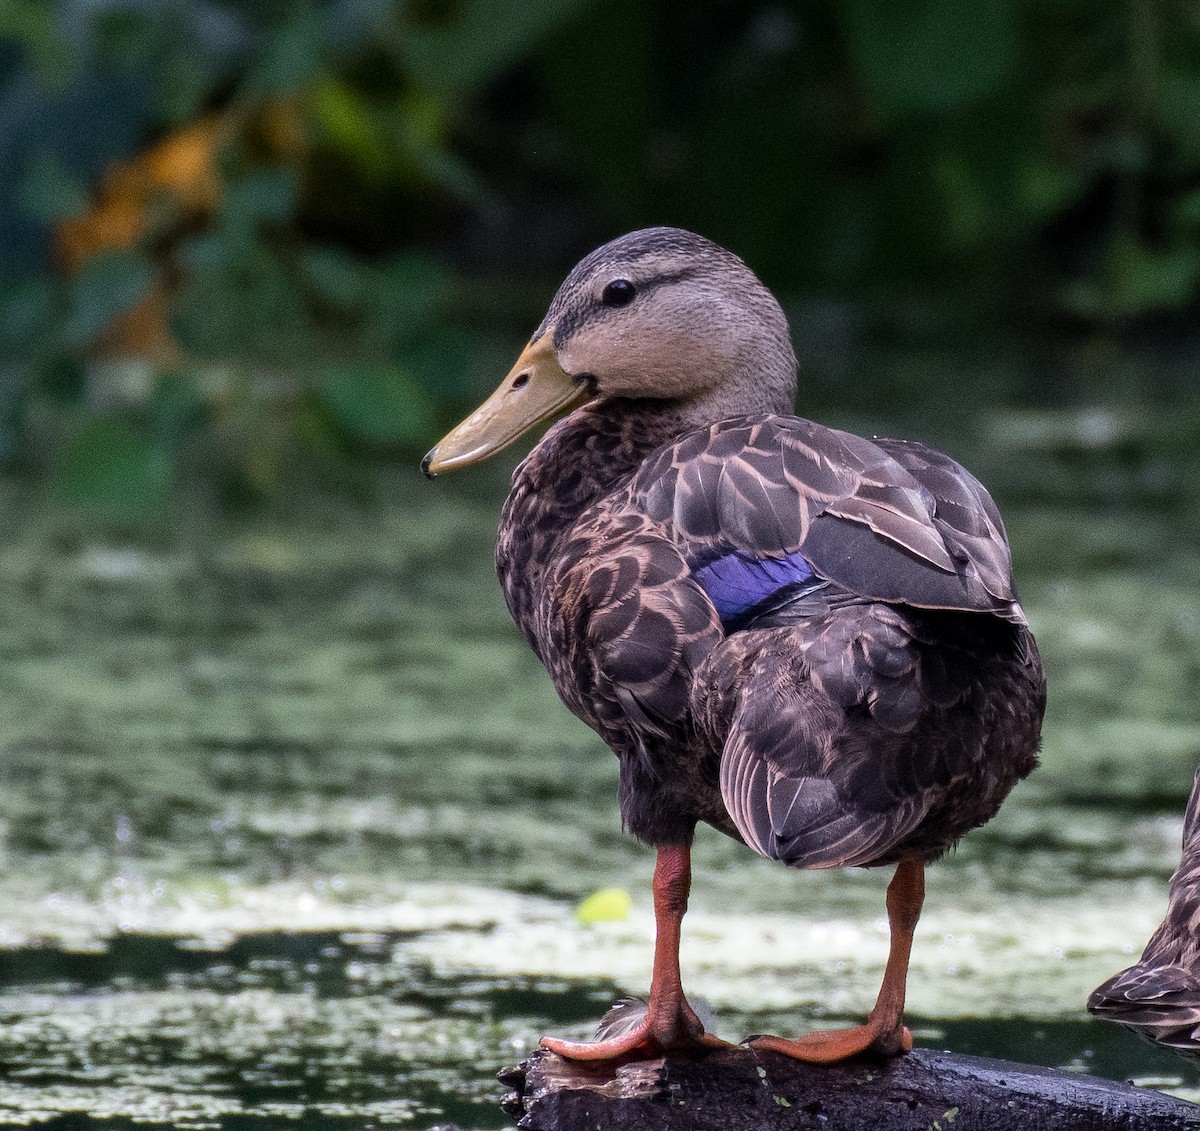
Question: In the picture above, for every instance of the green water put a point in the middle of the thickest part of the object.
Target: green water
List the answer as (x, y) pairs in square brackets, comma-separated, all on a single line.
[(293, 827)]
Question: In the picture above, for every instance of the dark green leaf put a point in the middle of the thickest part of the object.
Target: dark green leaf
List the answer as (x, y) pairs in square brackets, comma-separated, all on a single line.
[(336, 277), (107, 286), (921, 56), (176, 407), (1152, 279), (34, 23), (441, 361), (294, 56), (407, 294), (49, 193), (27, 316), (1179, 110), (612, 145), (452, 57), (262, 197), (113, 466), (377, 404)]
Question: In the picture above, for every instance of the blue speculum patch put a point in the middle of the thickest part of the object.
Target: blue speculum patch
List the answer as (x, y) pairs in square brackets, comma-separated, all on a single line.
[(741, 585)]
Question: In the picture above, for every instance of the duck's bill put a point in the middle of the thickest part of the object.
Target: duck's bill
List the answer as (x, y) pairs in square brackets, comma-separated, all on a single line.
[(536, 389)]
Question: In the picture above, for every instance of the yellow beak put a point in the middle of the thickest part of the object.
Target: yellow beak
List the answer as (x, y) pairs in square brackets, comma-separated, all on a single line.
[(535, 389)]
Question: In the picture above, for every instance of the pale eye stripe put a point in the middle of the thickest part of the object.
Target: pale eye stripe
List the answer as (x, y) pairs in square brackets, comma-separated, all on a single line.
[(576, 308)]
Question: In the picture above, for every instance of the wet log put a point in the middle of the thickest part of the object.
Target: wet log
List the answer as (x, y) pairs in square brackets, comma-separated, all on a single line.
[(743, 1090)]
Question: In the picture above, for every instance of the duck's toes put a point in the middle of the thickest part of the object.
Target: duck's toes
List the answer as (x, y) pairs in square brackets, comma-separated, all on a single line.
[(634, 1028), (640, 1043), (614, 1048), (832, 1045)]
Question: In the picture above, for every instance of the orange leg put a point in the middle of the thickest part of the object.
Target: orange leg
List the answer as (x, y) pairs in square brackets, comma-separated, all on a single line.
[(884, 1031), (669, 1022)]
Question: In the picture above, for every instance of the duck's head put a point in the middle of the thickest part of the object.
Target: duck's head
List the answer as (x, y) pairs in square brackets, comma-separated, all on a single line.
[(659, 314)]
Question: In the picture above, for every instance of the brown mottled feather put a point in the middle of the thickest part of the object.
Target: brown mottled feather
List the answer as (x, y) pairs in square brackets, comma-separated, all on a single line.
[(887, 519), (1159, 997), (860, 733), (886, 714)]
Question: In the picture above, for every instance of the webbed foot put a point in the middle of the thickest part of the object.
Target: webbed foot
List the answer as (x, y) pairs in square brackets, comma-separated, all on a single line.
[(639, 1029), (831, 1045)]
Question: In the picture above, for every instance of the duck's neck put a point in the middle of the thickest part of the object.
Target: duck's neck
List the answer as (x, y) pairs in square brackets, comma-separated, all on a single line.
[(579, 461), (606, 441)]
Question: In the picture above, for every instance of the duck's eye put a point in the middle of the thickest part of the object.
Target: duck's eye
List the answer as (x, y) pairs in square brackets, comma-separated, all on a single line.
[(619, 292)]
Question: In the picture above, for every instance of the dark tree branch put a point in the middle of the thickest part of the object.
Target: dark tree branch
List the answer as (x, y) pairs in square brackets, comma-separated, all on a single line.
[(741, 1090)]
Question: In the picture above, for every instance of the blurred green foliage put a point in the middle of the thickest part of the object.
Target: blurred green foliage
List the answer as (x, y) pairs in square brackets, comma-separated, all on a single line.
[(401, 182)]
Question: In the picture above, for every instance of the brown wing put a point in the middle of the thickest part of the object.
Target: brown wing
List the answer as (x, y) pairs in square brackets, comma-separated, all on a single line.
[(1161, 1003), (640, 625), (1160, 996), (855, 731), (819, 767), (1177, 940), (886, 519)]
